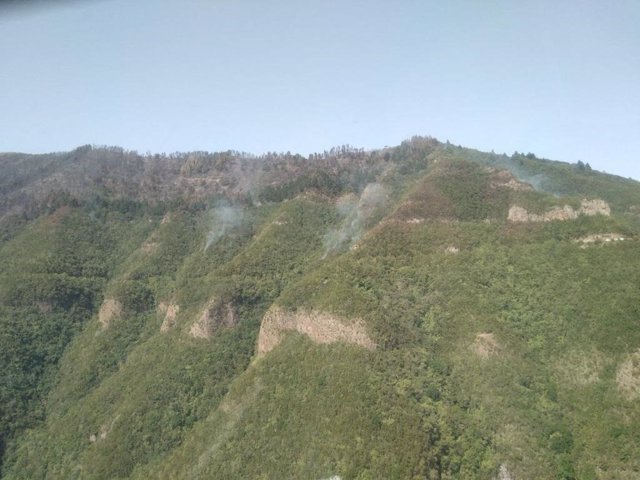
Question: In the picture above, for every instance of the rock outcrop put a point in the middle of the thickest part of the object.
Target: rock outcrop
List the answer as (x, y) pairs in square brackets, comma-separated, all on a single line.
[(588, 207), (320, 327), (505, 179), (169, 311), (596, 206), (109, 310), (217, 315), (601, 238)]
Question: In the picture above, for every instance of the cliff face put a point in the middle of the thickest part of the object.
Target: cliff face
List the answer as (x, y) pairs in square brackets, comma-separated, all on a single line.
[(317, 326), (420, 311), (587, 207)]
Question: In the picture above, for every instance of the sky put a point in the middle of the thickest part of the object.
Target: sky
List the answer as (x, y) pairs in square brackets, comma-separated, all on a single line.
[(558, 79)]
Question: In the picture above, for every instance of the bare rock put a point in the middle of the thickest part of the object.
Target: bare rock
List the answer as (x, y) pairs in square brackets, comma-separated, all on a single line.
[(320, 327), (595, 207), (169, 311), (505, 179), (600, 238), (518, 214), (111, 309), (217, 315), (588, 207)]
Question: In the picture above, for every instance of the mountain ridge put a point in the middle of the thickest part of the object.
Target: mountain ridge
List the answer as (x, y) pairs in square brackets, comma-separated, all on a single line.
[(485, 346)]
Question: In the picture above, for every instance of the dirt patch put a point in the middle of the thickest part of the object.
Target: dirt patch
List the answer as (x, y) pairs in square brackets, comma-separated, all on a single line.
[(110, 309), (216, 316), (588, 207), (451, 249), (628, 376), (320, 327), (169, 311), (485, 345)]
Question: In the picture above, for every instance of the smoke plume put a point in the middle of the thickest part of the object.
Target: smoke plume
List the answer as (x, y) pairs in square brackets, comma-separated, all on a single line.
[(356, 211), (224, 218)]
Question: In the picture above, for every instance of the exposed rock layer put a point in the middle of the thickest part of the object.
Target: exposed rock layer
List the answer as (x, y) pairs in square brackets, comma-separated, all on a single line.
[(110, 309), (320, 327), (588, 207), (216, 316), (169, 311)]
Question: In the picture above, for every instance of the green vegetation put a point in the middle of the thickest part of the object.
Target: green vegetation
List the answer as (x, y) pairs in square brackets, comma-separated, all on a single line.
[(129, 321)]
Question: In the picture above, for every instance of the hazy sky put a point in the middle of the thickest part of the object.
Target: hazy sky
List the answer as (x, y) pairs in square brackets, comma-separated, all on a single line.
[(559, 79)]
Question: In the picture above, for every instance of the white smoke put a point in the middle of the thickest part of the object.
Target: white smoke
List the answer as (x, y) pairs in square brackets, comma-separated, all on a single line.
[(224, 218), (356, 212)]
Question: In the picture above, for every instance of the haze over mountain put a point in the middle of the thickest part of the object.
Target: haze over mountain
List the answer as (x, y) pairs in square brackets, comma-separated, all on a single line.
[(419, 311), (556, 78)]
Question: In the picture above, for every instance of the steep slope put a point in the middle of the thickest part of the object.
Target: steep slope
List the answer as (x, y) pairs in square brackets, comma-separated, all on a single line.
[(52, 276), (372, 315), (502, 354), (127, 389)]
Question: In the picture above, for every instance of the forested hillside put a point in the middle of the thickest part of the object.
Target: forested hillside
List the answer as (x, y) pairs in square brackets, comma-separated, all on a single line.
[(421, 311)]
